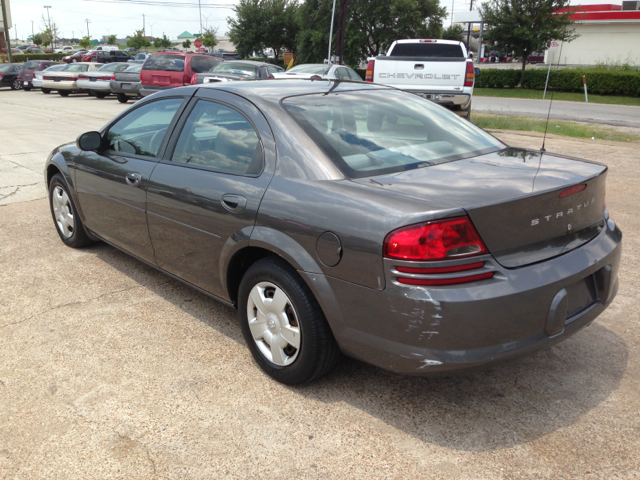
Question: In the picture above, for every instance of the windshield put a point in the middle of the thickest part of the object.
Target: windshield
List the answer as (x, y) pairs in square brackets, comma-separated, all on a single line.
[(377, 132), (74, 67), (427, 49), (56, 68), (310, 68), (238, 68), (30, 65)]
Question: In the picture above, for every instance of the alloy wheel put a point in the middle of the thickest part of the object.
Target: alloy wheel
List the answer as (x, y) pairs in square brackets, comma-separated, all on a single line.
[(273, 322), (63, 212)]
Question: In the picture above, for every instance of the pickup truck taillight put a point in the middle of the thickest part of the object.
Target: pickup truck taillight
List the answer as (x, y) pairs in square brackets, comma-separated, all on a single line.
[(194, 79), (369, 74), (468, 79)]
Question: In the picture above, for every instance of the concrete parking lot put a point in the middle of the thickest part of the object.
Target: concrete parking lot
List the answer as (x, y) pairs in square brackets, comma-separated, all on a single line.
[(109, 369)]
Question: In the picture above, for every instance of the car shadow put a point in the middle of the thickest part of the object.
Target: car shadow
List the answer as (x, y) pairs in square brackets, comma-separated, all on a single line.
[(508, 404)]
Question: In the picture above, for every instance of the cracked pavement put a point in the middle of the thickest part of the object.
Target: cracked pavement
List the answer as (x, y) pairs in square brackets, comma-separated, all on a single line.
[(109, 369)]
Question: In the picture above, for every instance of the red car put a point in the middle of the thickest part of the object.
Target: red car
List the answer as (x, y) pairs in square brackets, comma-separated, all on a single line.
[(76, 57), (25, 77), (172, 69)]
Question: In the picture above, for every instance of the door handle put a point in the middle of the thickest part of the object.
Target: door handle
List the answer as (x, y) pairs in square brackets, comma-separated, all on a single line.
[(133, 179), (234, 203)]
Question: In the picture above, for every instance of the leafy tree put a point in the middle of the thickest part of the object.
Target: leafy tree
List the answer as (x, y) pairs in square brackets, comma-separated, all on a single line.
[(526, 26), (112, 40), (47, 37), (163, 42), (454, 32), (37, 39), (186, 44), (138, 41), (85, 42), (372, 26), (262, 24), (209, 37)]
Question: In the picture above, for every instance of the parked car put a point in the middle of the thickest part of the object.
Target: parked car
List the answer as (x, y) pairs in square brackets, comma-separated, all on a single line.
[(536, 57), (9, 75), (76, 57), (38, 75), (131, 50), (438, 70), (171, 49), (390, 229), (14, 51), (27, 73), (23, 47), (98, 83), (140, 58), (109, 57), (169, 70), (65, 49), (237, 70), (226, 55), (127, 83), (34, 50), (311, 70), (65, 80), (106, 48)]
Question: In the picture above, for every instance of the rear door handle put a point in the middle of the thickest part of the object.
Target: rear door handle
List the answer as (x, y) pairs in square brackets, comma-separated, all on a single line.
[(234, 203), (133, 179)]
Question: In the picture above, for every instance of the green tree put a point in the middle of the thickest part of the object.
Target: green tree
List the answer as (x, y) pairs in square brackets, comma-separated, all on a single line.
[(209, 38), (47, 37), (85, 42), (372, 26), (37, 39), (138, 41), (186, 44), (262, 24), (163, 42), (112, 40), (526, 26), (454, 32)]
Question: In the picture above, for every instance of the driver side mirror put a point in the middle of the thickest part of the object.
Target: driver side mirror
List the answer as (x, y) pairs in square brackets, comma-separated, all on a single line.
[(89, 141)]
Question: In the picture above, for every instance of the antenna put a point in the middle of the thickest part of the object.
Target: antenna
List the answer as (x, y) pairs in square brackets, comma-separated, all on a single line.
[(546, 127)]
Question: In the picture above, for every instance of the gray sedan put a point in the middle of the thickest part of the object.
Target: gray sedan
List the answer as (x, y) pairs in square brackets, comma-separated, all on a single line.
[(346, 217)]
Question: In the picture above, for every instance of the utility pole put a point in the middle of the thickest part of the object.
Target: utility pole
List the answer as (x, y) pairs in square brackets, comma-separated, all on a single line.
[(452, 3), (6, 31), (333, 12), (16, 27), (200, 10), (469, 28), (53, 37), (88, 22), (342, 31), (32, 32), (144, 26)]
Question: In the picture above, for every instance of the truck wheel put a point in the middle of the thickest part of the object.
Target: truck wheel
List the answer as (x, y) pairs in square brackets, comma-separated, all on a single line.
[(122, 98)]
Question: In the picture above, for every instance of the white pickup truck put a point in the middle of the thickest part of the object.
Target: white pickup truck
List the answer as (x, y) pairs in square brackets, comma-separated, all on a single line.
[(438, 70)]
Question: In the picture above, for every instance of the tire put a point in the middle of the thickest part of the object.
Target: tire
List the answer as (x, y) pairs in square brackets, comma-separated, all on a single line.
[(63, 93), (27, 89), (64, 214), (468, 115), (74, 60), (122, 98), (15, 84), (297, 311), (46, 90), (100, 94)]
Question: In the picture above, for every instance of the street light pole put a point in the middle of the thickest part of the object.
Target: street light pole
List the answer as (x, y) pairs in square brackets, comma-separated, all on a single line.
[(333, 13), (200, 10), (206, 21), (88, 22), (53, 37), (152, 24)]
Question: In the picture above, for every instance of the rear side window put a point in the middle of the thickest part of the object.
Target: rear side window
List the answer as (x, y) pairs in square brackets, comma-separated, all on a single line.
[(165, 63), (427, 49), (203, 64), (354, 76), (220, 138), (342, 73)]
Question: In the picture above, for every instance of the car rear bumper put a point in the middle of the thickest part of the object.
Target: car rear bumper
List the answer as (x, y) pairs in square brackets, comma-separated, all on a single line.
[(117, 86), (461, 100), (146, 90), (97, 86), (422, 330), (36, 83)]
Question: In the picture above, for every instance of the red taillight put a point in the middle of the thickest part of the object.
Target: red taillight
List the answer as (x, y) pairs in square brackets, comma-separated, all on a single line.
[(435, 270), (0, 77), (83, 76), (369, 74), (573, 190), (440, 240), (270, 77), (445, 281), (72, 79), (468, 80), (194, 79)]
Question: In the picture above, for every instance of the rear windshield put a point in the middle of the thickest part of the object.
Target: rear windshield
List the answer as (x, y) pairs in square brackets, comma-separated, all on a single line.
[(203, 64), (377, 132), (114, 67), (238, 68), (310, 68), (165, 63), (77, 68), (31, 65), (438, 50)]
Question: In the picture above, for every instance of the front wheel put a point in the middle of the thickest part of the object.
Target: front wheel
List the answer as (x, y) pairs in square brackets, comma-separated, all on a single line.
[(122, 98), (283, 324), (15, 84), (65, 216), (63, 93), (46, 90)]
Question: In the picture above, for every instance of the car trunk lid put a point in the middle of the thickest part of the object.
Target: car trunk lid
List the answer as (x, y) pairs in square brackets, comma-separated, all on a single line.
[(517, 199)]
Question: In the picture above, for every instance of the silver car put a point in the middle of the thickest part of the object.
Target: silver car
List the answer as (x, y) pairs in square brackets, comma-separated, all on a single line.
[(325, 71)]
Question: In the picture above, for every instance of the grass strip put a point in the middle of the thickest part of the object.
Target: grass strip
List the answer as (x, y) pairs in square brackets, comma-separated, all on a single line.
[(568, 96), (568, 129)]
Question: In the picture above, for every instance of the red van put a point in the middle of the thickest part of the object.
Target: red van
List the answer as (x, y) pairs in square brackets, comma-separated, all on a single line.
[(165, 70)]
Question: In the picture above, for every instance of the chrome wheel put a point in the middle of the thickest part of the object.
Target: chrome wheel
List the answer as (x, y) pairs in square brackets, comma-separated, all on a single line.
[(63, 212), (273, 323)]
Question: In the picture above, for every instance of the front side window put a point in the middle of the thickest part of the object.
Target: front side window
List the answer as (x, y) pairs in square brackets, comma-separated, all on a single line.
[(220, 138), (141, 131), (375, 132)]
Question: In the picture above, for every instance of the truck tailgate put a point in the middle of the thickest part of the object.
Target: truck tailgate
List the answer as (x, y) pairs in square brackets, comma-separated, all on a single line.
[(423, 74)]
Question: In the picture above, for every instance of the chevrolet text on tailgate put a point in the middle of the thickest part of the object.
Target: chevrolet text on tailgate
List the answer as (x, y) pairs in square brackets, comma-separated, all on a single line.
[(437, 70)]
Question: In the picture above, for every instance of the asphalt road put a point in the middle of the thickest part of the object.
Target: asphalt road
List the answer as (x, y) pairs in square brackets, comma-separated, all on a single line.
[(109, 369), (618, 115)]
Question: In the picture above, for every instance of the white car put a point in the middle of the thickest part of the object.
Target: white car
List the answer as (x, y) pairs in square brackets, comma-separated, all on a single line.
[(106, 48), (324, 71), (65, 80), (66, 49), (98, 83), (37, 76)]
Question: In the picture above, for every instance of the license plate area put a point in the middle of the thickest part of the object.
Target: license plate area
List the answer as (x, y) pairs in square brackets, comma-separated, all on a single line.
[(581, 296), (93, 79), (126, 85)]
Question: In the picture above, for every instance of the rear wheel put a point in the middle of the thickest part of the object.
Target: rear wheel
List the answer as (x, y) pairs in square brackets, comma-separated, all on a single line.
[(65, 216), (63, 93), (283, 324), (46, 90), (15, 84), (122, 98), (100, 94)]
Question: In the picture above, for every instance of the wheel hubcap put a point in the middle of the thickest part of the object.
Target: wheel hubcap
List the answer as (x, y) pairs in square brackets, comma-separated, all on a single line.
[(62, 211), (273, 323)]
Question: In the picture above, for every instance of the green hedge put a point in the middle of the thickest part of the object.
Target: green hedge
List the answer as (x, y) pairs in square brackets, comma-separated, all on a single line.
[(54, 57), (600, 82)]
